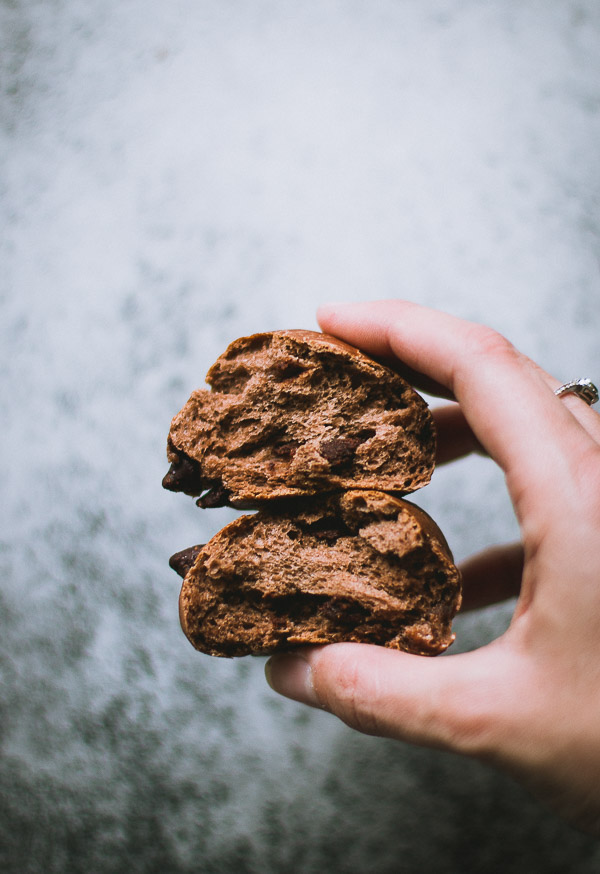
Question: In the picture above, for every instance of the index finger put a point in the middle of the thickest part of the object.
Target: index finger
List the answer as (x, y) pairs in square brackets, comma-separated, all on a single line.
[(506, 398)]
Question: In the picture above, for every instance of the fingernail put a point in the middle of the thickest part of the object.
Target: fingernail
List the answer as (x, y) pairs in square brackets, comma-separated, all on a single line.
[(290, 674)]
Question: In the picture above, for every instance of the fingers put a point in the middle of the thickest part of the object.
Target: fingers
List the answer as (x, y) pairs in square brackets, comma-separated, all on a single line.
[(492, 576), (507, 400), (455, 439), (449, 703)]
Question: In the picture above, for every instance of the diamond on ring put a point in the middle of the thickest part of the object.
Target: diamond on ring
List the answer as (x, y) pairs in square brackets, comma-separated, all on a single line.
[(583, 388)]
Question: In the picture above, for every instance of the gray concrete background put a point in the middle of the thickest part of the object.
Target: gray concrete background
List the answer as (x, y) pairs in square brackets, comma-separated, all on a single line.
[(175, 175)]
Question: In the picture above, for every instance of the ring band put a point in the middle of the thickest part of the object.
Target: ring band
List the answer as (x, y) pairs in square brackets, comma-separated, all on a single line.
[(583, 388)]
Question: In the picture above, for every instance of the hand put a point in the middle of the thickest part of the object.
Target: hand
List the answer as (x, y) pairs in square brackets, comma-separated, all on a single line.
[(529, 702)]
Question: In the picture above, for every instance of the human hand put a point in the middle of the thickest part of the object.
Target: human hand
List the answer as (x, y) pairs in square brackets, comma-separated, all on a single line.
[(529, 702)]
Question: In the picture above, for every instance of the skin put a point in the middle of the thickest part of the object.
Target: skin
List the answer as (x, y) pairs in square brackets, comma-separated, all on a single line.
[(529, 702)]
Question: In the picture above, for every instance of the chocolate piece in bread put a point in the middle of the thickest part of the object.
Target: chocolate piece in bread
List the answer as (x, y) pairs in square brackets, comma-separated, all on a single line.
[(296, 413), (358, 566)]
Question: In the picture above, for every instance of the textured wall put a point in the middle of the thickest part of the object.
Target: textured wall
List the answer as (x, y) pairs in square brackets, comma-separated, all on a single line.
[(175, 174)]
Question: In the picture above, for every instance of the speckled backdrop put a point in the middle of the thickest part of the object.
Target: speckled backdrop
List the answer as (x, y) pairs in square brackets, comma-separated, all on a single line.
[(175, 174)]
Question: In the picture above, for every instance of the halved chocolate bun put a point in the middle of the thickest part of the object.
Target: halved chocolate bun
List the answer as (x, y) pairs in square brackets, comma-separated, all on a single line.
[(359, 566), (296, 413)]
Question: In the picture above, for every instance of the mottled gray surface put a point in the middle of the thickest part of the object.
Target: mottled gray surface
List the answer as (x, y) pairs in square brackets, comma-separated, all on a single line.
[(174, 175)]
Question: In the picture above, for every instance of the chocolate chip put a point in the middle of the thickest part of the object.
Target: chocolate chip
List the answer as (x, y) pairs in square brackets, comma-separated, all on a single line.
[(182, 561), (340, 450), (184, 475), (218, 496)]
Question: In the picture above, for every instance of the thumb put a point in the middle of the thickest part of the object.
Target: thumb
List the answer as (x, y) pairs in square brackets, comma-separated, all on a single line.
[(449, 702)]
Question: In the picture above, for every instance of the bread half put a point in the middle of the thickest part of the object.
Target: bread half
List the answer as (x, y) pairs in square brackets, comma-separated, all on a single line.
[(360, 566), (295, 413)]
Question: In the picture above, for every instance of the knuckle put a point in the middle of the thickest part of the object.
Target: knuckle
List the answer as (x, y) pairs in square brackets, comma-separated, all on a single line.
[(486, 341), (482, 343), (470, 730), (352, 697)]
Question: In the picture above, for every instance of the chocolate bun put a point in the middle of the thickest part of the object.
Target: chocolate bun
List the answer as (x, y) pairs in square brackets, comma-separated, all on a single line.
[(316, 436), (358, 566), (293, 413)]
